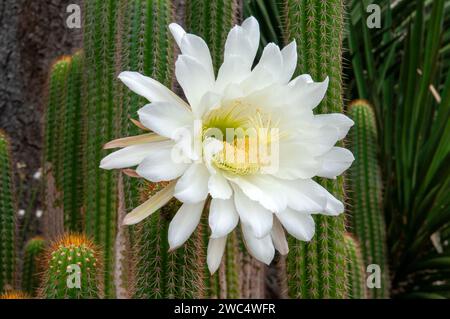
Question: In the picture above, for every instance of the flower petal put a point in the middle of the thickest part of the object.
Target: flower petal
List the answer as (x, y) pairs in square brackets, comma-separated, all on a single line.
[(194, 79), (134, 140), (149, 88), (260, 248), (341, 122), (219, 187), (335, 162), (305, 195), (253, 215), (193, 46), (263, 189), (223, 217), (192, 187), (267, 71), (279, 237), (299, 225), (162, 165), (305, 93), (131, 155), (150, 206), (216, 248), (289, 54), (165, 118), (184, 223)]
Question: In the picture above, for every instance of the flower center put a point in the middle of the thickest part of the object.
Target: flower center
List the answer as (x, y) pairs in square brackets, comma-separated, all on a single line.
[(247, 135)]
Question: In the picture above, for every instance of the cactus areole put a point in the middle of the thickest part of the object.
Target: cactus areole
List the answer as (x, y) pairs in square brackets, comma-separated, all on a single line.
[(247, 138)]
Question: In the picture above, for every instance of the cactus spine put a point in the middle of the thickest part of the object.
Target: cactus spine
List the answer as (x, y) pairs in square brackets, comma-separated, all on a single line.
[(366, 194), (102, 123), (69, 258), (8, 210), (317, 269), (14, 295), (355, 269), (34, 250)]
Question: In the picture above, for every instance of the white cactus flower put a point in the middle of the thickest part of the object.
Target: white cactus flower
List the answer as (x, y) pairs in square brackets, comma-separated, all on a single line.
[(206, 147)]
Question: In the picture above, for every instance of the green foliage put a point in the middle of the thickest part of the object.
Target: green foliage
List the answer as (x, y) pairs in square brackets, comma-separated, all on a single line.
[(31, 269), (403, 70), (63, 258), (8, 208), (355, 269), (317, 269), (365, 193)]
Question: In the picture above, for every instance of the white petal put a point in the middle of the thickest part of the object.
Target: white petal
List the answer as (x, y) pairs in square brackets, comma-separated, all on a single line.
[(267, 71), (307, 94), (160, 165), (260, 248), (216, 248), (305, 195), (296, 161), (219, 187), (335, 162), (253, 215), (177, 32), (340, 121), (150, 206), (279, 237), (165, 118), (184, 223), (223, 217), (192, 187), (193, 46), (289, 54), (194, 79), (209, 101), (251, 29), (131, 155), (151, 89), (263, 189), (240, 51), (134, 140), (299, 225)]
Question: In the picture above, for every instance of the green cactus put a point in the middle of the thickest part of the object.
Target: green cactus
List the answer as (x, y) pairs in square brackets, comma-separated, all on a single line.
[(317, 269), (102, 125), (8, 208), (161, 273), (34, 250), (73, 147), (53, 160), (355, 269), (212, 20), (60, 278), (366, 193)]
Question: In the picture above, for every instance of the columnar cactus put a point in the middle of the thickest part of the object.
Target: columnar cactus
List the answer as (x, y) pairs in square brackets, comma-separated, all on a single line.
[(366, 193), (212, 20), (73, 115), (72, 270), (8, 210), (317, 269), (31, 270), (53, 160), (355, 269), (102, 125)]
